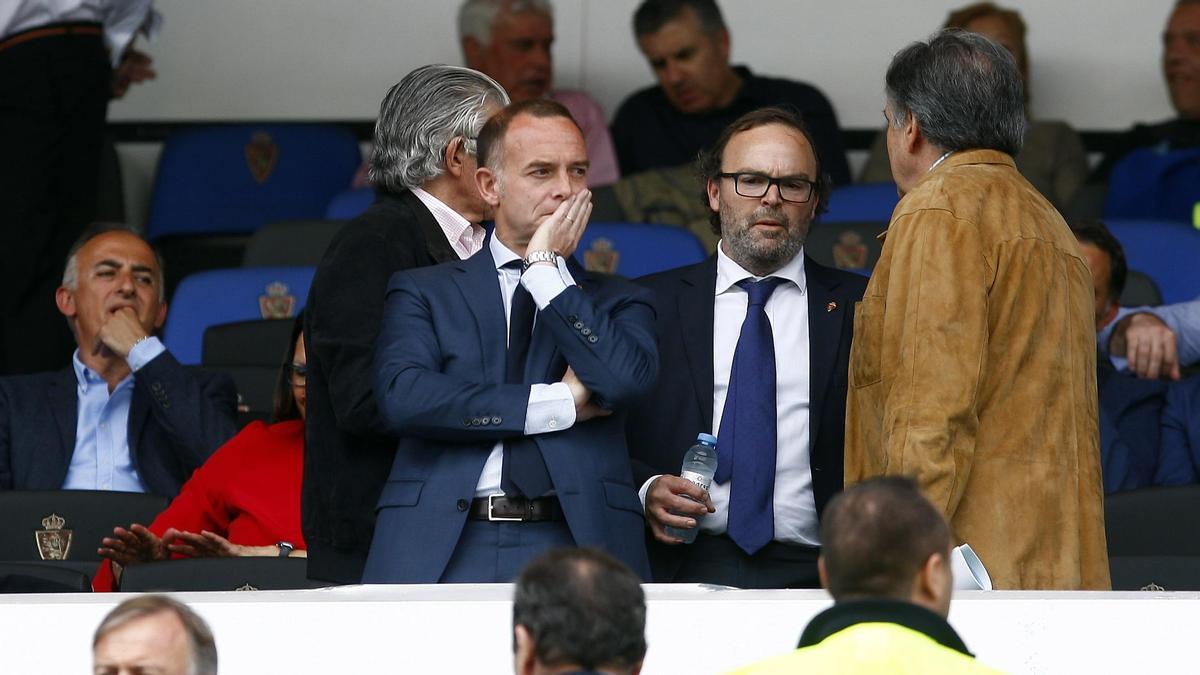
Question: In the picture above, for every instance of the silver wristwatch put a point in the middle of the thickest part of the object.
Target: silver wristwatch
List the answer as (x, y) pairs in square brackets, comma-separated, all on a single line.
[(538, 256)]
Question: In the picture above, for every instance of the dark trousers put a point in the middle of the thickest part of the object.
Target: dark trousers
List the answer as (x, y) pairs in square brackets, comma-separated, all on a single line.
[(715, 559), (491, 552), (53, 100)]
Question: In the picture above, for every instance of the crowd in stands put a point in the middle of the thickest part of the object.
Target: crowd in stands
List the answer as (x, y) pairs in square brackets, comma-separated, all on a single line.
[(459, 402)]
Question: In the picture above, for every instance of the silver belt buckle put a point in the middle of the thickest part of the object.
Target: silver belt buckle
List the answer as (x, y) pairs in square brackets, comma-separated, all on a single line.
[(497, 519)]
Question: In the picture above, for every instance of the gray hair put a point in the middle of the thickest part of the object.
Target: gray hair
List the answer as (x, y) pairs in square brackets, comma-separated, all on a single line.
[(419, 118), (476, 17), (70, 278), (963, 89), (203, 652)]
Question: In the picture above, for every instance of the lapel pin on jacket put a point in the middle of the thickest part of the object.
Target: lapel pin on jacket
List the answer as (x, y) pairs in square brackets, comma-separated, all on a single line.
[(830, 307)]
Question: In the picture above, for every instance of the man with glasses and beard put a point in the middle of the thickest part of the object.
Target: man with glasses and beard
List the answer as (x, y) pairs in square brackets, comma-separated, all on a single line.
[(754, 343)]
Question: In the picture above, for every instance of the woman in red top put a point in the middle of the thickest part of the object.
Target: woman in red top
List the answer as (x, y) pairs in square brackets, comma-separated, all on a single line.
[(244, 501)]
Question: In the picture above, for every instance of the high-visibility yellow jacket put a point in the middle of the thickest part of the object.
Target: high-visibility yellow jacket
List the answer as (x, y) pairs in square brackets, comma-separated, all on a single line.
[(901, 641)]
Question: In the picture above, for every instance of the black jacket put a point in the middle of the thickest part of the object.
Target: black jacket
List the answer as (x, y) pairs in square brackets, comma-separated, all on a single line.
[(347, 455), (665, 425)]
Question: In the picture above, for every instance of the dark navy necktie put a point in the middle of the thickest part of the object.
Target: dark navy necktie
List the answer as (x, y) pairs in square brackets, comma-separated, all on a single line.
[(747, 438), (523, 471)]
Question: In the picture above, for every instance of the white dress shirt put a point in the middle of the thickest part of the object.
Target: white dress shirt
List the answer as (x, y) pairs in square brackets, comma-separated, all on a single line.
[(465, 237), (551, 407), (122, 19), (795, 507)]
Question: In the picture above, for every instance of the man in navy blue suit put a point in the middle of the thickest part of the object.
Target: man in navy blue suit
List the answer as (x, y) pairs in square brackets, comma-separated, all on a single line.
[(1145, 424), (506, 377), (125, 416), (777, 408)]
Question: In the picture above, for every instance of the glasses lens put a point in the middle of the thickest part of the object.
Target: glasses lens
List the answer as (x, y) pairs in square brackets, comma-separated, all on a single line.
[(752, 184), (795, 190)]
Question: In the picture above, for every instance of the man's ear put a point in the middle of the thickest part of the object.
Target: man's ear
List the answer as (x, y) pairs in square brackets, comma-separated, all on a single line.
[(455, 160), (723, 44), (524, 658), (472, 52), (934, 584), (911, 134), (713, 188), (1110, 315), (161, 317), (65, 299), (488, 184)]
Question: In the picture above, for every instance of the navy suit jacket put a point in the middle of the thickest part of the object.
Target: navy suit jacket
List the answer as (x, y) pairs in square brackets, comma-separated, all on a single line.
[(177, 418), (1179, 453), (664, 426), (440, 363)]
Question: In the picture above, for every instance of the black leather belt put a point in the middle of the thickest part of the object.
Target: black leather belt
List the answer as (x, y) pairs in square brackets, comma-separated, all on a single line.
[(499, 508)]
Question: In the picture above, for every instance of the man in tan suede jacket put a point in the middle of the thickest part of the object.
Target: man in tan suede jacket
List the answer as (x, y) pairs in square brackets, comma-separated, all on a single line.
[(974, 365)]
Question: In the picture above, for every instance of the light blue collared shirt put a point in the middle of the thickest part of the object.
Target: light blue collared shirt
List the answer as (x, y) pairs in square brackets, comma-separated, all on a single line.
[(102, 460)]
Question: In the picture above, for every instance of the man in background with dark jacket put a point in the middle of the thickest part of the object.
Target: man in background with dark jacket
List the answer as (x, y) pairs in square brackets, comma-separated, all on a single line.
[(428, 211)]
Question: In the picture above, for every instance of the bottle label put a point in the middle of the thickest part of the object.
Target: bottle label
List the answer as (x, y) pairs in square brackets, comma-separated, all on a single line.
[(699, 479)]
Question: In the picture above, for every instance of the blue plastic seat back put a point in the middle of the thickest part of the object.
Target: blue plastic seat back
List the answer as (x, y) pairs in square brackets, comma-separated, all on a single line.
[(1154, 183), (238, 177), (634, 249), (862, 203), (1168, 252), (349, 203), (223, 296)]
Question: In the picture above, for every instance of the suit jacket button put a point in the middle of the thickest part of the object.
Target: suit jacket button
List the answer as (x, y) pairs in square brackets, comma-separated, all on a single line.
[(572, 318), (577, 325), (593, 339), (476, 422), (586, 331), (462, 505), (466, 421), (496, 420)]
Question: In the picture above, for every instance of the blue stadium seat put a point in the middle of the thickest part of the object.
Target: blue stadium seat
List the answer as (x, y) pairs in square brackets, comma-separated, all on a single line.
[(224, 296), (238, 177), (1154, 183), (634, 249), (862, 203), (349, 203), (1166, 251)]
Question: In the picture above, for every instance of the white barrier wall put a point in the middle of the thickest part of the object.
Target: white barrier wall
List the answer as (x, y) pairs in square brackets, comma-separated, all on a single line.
[(690, 629), (1094, 64)]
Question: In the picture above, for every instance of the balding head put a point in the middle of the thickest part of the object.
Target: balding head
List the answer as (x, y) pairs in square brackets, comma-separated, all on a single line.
[(883, 539)]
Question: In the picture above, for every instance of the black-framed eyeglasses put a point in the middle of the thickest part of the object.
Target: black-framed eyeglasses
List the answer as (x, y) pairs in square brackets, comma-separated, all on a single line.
[(298, 372), (754, 185)]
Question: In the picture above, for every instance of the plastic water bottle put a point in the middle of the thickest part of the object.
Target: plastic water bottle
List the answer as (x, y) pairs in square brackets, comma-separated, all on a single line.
[(699, 465)]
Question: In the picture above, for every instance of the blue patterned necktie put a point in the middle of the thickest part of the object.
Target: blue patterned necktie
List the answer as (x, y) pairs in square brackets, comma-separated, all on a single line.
[(747, 438), (523, 470)]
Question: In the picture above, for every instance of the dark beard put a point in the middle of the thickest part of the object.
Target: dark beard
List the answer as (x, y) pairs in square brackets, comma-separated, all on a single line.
[(757, 255)]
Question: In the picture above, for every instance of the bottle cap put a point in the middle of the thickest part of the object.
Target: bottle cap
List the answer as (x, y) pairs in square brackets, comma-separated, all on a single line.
[(707, 439)]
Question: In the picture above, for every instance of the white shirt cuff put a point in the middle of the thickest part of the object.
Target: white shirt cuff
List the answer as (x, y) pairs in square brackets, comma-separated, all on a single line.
[(551, 408), (544, 282), (144, 352), (646, 488)]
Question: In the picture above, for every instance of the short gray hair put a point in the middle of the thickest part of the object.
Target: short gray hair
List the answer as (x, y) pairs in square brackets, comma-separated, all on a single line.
[(476, 17), (203, 657), (70, 278), (419, 118), (963, 89)]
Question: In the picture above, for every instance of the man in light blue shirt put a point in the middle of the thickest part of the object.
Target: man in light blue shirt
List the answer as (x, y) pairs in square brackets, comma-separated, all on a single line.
[(126, 416), (1154, 342)]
